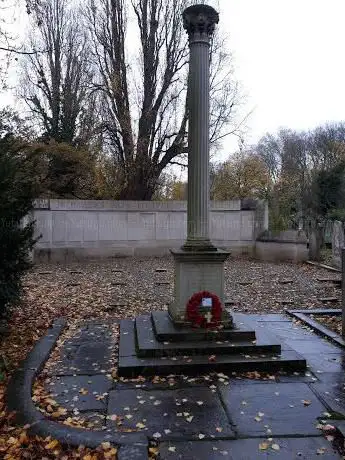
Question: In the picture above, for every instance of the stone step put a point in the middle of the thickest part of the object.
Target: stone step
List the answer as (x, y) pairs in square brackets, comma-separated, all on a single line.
[(166, 331), (130, 365), (149, 346)]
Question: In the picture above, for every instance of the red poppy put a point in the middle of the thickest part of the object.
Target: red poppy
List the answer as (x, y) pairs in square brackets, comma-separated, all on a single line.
[(193, 313)]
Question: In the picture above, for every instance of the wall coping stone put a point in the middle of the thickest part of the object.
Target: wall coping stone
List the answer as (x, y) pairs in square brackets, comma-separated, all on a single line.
[(287, 236), (109, 205)]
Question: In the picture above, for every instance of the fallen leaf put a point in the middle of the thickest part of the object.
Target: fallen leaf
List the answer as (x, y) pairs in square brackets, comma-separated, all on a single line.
[(263, 446), (52, 444), (110, 454), (275, 447)]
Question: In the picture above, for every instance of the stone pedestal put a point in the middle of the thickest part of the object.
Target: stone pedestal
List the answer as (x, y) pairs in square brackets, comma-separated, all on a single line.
[(197, 271)]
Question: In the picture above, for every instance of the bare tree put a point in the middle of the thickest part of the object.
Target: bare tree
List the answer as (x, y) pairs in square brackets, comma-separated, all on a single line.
[(144, 96), (10, 46), (55, 84)]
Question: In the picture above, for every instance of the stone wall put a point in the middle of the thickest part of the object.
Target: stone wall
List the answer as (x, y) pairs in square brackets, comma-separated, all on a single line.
[(74, 229), (289, 246)]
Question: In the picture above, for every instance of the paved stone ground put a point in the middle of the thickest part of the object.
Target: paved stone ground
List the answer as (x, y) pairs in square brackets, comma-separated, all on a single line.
[(211, 417)]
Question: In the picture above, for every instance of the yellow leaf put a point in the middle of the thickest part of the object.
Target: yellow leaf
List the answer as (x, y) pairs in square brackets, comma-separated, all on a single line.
[(106, 445), (263, 446), (60, 411), (54, 443), (111, 454), (23, 439), (52, 402), (12, 440)]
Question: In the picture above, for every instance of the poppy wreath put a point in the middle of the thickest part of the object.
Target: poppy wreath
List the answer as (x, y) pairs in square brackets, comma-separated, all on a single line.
[(193, 313)]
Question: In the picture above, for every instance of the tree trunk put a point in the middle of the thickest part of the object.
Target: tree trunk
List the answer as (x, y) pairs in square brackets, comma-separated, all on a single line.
[(141, 185)]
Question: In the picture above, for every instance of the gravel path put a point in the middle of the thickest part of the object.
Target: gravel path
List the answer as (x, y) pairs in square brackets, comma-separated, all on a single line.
[(127, 287)]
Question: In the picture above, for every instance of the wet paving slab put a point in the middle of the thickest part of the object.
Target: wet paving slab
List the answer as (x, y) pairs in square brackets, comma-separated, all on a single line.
[(171, 414), (211, 416), (84, 393), (273, 410), (249, 449)]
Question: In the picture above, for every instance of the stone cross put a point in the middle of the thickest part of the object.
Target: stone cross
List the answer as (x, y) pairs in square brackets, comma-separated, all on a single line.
[(208, 317), (199, 22)]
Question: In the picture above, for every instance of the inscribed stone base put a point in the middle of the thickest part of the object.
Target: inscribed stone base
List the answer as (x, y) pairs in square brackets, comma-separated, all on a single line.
[(194, 272)]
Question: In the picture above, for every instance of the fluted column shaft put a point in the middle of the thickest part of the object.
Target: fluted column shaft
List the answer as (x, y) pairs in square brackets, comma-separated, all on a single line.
[(198, 141), (199, 21)]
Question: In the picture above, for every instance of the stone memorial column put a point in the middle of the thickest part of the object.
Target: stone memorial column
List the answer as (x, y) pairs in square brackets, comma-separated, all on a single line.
[(199, 23), (199, 265)]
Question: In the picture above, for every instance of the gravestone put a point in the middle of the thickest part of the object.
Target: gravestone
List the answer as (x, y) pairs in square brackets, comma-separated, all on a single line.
[(314, 246), (337, 243), (343, 291)]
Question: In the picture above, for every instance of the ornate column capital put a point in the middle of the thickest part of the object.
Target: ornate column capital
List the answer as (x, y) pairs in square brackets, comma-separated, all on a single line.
[(199, 21)]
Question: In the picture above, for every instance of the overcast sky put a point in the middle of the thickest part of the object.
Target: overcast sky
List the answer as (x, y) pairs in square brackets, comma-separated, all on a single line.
[(289, 56)]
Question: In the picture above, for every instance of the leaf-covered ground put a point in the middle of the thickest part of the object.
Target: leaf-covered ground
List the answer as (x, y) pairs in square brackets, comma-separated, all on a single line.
[(331, 322), (121, 288)]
